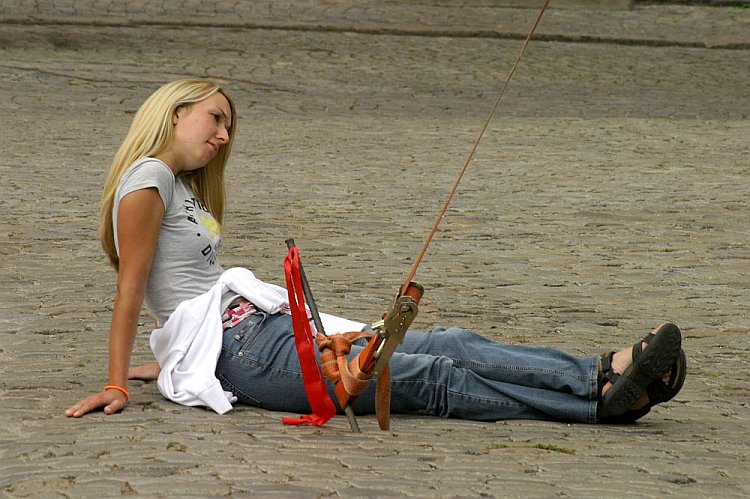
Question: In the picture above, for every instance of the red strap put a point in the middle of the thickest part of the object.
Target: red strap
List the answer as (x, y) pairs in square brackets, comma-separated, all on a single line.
[(315, 384)]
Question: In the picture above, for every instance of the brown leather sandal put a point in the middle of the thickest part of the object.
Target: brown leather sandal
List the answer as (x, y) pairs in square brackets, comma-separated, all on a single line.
[(643, 376)]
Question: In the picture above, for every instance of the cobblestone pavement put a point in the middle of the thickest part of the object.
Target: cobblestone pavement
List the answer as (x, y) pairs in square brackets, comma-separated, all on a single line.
[(610, 193)]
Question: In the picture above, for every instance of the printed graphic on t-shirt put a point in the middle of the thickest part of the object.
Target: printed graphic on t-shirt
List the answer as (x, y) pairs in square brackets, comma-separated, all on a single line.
[(196, 211)]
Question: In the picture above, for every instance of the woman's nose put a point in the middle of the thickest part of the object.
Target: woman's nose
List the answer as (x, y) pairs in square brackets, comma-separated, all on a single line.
[(223, 135)]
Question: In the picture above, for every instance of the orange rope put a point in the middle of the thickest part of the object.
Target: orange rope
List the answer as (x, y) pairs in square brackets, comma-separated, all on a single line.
[(471, 153)]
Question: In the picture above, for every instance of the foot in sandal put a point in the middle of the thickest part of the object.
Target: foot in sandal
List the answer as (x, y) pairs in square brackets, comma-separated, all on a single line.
[(635, 379)]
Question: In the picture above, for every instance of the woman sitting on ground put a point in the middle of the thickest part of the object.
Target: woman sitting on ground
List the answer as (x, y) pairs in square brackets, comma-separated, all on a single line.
[(162, 215)]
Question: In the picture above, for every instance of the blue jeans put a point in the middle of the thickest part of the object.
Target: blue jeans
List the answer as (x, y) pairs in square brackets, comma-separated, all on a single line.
[(443, 372)]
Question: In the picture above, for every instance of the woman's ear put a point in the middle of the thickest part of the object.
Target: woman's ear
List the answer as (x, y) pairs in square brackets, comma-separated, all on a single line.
[(177, 113)]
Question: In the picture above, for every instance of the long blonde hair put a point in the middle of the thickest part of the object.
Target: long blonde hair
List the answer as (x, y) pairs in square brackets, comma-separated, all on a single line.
[(150, 134)]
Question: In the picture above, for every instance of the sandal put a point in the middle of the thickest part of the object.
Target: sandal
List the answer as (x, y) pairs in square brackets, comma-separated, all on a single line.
[(648, 366), (658, 392)]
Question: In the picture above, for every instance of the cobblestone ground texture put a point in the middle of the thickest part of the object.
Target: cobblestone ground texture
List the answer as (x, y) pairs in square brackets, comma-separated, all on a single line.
[(610, 193)]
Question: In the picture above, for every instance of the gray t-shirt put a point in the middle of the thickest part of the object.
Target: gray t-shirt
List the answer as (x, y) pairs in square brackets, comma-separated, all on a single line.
[(185, 262)]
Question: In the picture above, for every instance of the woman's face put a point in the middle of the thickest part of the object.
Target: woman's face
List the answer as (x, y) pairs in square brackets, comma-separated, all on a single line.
[(199, 130)]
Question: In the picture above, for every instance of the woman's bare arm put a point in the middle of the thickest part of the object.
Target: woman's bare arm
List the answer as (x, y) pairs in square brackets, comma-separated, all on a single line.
[(139, 219)]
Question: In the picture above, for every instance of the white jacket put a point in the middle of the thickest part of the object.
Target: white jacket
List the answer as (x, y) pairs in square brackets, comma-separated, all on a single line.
[(187, 347)]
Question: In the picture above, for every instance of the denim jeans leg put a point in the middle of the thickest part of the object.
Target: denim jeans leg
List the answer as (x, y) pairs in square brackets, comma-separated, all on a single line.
[(259, 364), (456, 373), (534, 367)]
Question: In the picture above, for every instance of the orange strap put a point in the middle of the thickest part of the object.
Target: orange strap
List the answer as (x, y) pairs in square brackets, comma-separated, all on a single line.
[(347, 374)]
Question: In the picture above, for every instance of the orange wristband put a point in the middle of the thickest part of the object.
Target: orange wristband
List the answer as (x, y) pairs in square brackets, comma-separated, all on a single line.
[(118, 388)]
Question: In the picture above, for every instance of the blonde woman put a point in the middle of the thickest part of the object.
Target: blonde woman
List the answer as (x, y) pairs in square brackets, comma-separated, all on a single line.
[(225, 336), (161, 215)]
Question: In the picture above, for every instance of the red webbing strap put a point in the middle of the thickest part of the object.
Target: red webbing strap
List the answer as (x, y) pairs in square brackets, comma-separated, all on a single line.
[(315, 384)]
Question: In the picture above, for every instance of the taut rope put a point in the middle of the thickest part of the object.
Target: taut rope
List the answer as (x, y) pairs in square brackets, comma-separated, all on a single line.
[(471, 152)]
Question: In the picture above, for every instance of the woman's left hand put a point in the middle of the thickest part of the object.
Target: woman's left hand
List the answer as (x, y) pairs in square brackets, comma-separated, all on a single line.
[(146, 372)]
